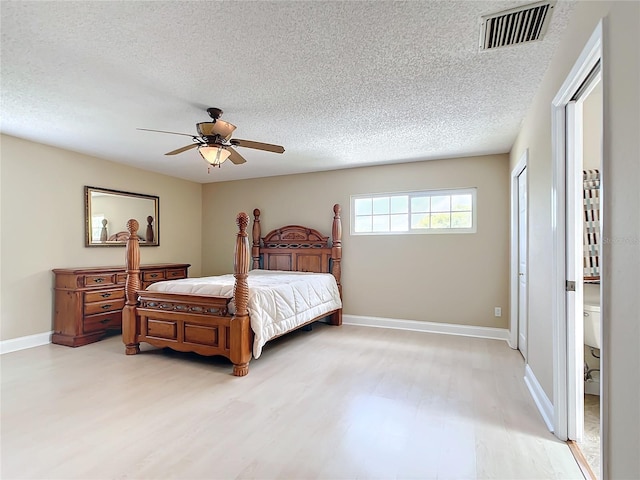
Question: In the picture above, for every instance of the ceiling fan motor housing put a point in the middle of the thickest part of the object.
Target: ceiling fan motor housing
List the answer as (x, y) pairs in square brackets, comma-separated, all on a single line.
[(214, 113)]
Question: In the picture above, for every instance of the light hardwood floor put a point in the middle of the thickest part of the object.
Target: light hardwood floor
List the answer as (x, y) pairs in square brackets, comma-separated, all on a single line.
[(337, 402), (591, 442)]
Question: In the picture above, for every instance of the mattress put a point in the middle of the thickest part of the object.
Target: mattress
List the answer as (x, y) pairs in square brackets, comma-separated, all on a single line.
[(278, 301)]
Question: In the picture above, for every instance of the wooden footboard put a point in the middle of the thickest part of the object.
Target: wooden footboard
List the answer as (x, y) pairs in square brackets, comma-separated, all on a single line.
[(203, 324), (189, 323)]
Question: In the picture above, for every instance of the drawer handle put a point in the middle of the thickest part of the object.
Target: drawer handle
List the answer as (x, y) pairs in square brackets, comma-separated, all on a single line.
[(106, 320), (106, 295), (98, 280), (106, 307), (153, 275)]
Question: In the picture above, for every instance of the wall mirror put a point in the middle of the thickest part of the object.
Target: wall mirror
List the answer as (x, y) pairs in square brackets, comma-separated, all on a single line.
[(107, 212)]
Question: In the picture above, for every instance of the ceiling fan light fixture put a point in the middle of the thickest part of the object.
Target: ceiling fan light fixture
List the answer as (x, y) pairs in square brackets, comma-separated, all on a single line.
[(224, 129), (214, 154), (217, 128)]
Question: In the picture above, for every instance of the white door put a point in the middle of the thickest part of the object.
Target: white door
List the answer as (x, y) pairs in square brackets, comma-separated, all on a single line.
[(573, 260), (522, 262)]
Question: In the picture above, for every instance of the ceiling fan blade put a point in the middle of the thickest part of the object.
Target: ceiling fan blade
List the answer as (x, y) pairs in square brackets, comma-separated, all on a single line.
[(235, 157), (268, 147), (162, 131), (183, 149)]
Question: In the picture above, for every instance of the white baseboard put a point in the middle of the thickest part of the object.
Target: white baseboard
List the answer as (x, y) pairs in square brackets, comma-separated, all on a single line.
[(545, 407), (20, 343), (429, 327)]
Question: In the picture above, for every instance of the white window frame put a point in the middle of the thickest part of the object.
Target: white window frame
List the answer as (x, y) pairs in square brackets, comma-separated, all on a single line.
[(421, 193)]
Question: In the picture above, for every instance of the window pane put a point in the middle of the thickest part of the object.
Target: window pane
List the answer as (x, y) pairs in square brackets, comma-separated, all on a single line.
[(362, 206), (380, 205), (419, 204), (461, 220), (381, 223), (420, 220), (399, 223), (400, 204), (363, 224), (440, 220), (461, 202), (441, 203)]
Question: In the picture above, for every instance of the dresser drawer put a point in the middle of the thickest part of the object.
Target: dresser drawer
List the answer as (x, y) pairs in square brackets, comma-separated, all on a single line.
[(101, 307), (175, 274), (91, 280), (102, 321), (121, 278), (102, 295), (153, 275)]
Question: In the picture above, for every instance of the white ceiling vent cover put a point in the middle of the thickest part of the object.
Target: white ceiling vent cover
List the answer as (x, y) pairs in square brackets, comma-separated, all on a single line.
[(517, 25)]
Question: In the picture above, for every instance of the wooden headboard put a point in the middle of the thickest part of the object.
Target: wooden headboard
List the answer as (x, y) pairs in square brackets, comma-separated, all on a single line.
[(297, 248)]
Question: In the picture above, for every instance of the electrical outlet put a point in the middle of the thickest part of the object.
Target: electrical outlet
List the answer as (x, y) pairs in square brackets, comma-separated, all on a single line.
[(497, 312)]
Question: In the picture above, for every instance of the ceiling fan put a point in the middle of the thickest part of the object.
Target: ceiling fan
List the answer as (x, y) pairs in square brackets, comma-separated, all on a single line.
[(214, 142)]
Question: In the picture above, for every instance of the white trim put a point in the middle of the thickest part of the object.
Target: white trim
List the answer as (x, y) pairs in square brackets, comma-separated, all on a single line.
[(429, 327), (513, 310), (21, 343), (545, 407), (558, 279), (588, 59)]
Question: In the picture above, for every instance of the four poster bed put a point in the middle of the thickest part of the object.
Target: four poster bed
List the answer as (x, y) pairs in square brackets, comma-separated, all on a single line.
[(235, 315)]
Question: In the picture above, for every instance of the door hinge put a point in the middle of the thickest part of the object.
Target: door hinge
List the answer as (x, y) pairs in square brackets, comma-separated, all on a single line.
[(571, 286)]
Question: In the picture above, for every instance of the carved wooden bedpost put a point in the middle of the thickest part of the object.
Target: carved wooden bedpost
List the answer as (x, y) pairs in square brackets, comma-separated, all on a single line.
[(129, 324), (150, 235), (336, 257), (240, 325), (255, 250), (103, 232)]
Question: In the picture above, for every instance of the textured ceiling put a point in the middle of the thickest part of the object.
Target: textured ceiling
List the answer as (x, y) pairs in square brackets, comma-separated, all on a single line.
[(338, 84)]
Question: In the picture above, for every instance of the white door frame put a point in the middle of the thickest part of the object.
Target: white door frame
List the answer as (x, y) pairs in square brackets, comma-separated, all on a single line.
[(565, 338), (515, 242)]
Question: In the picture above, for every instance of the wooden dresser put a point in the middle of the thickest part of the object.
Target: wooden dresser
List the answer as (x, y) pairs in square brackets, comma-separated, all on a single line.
[(89, 301)]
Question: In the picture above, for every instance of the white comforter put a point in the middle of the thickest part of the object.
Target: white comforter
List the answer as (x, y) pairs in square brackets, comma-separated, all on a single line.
[(278, 301)]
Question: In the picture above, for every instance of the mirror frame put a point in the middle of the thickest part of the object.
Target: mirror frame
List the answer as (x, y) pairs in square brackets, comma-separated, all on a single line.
[(88, 215)]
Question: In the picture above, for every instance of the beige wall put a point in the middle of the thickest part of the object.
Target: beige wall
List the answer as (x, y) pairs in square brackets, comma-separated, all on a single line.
[(621, 223), (43, 225), (456, 278)]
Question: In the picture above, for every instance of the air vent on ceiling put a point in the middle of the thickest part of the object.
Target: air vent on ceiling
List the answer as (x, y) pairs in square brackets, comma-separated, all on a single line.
[(518, 25)]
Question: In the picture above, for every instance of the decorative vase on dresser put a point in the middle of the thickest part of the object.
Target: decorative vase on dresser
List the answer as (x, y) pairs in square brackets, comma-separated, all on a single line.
[(89, 301)]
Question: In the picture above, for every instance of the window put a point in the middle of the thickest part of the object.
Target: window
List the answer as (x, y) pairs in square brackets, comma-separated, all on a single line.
[(429, 211), (96, 225)]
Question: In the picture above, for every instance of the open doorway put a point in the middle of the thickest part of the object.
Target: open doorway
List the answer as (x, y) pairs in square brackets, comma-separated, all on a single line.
[(591, 222), (519, 256), (578, 165)]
